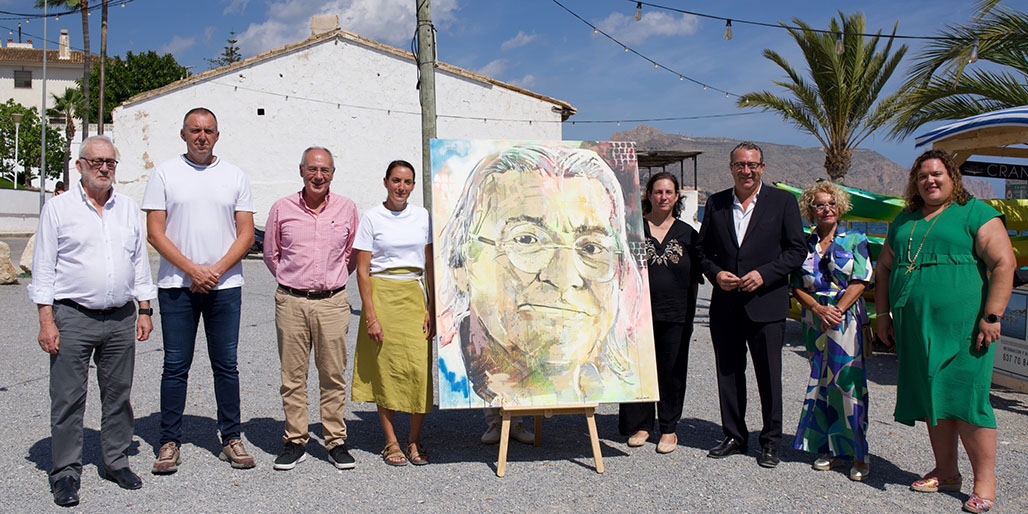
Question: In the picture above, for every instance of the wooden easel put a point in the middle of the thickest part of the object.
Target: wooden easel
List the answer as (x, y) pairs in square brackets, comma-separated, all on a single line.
[(587, 409)]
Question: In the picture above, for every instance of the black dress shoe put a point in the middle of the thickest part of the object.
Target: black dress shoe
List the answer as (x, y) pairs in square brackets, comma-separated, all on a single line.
[(125, 478), (729, 446), (66, 491), (768, 457)]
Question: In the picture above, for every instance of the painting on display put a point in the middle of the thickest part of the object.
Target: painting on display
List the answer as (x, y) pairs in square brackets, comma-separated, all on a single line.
[(541, 288)]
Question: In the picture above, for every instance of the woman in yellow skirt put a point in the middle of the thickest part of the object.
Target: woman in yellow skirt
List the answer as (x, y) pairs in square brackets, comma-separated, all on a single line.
[(393, 362)]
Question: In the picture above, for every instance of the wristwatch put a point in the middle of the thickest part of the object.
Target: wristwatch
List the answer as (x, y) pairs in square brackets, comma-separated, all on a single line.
[(991, 318), (148, 311)]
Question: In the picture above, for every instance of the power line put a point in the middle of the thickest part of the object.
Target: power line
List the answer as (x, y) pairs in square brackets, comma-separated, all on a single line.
[(38, 16), (656, 65)]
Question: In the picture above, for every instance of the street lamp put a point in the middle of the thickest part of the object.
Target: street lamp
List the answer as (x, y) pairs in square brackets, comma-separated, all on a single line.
[(17, 117)]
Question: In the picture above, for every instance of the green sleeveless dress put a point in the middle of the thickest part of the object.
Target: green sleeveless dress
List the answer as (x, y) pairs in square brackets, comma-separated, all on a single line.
[(935, 308)]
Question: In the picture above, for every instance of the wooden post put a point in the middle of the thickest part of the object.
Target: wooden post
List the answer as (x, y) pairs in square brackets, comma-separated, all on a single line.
[(506, 412)]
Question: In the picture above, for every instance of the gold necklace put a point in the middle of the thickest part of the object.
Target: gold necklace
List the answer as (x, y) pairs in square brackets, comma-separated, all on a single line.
[(911, 262)]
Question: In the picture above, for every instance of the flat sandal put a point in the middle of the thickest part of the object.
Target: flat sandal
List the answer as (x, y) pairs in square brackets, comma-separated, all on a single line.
[(416, 453), (387, 455)]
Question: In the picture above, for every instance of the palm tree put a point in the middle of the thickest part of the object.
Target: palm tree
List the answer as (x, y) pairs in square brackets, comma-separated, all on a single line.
[(837, 104), (68, 105), (937, 87), (83, 7)]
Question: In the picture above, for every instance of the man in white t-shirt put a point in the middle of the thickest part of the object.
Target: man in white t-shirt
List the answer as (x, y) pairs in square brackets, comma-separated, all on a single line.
[(200, 219)]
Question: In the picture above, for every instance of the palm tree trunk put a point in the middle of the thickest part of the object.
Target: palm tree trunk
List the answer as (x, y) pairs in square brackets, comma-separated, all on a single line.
[(84, 8), (103, 63), (69, 133), (837, 163)]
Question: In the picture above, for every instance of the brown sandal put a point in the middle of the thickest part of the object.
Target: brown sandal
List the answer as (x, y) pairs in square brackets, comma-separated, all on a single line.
[(394, 457), (416, 453)]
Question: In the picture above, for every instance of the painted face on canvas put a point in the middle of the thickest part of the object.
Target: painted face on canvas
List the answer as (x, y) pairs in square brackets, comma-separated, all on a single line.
[(542, 268)]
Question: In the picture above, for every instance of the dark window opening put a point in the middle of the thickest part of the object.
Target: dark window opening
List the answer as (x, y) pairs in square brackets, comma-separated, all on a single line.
[(260, 111), (22, 78)]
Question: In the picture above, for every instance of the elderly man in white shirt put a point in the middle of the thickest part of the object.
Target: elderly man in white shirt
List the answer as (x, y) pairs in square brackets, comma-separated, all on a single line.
[(89, 264)]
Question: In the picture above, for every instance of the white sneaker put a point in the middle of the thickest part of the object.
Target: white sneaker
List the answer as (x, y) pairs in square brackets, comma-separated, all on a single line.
[(521, 434), (492, 434)]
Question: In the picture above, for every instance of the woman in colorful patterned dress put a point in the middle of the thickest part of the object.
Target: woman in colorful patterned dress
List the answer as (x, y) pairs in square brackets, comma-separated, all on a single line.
[(828, 285), (943, 280), (674, 272)]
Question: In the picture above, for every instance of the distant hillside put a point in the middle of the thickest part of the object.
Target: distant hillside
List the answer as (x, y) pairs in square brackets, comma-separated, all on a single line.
[(785, 163)]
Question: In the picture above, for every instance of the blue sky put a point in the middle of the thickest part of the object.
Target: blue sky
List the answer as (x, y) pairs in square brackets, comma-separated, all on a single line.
[(538, 45)]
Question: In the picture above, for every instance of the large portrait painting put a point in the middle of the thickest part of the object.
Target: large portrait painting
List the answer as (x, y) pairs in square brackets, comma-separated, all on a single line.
[(541, 288)]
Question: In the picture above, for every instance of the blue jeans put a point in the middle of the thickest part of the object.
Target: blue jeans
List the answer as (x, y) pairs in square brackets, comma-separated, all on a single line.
[(180, 315)]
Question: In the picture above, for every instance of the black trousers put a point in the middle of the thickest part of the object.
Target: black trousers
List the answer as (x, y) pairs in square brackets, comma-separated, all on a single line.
[(731, 336), (671, 343)]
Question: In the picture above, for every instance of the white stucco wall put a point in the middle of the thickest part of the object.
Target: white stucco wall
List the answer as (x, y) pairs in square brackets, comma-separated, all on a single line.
[(58, 79), (364, 141)]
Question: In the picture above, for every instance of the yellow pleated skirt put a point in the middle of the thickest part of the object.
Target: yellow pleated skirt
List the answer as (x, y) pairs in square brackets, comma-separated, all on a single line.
[(396, 373)]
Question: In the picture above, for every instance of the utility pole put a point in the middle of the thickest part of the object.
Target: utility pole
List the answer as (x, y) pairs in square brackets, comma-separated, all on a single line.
[(426, 70), (43, 122), (103, 66)]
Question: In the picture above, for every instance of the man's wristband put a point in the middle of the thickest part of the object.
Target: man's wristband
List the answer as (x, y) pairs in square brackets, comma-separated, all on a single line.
[(148, 311)]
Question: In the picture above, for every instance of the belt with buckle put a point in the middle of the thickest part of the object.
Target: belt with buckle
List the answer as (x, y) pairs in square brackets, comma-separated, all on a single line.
[(95, 312), (311, 294)]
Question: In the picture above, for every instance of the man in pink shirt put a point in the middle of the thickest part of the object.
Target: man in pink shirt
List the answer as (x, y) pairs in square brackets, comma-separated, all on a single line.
[(307, 246)]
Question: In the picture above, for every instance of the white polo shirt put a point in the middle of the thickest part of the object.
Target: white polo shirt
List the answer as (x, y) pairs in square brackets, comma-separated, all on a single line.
[(201, 204)]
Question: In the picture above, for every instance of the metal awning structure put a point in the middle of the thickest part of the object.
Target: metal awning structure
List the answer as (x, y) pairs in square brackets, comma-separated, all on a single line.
[(985, 134), (662, 158)]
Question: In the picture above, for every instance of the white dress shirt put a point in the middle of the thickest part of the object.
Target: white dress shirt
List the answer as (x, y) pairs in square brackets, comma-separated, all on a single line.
[(742, 216), (99, 262)]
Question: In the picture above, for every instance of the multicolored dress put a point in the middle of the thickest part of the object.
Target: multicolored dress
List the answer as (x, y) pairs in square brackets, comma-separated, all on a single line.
[(834, 417)]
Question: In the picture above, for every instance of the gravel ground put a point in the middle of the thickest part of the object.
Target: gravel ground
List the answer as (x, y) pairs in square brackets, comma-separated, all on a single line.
[(558, 476)]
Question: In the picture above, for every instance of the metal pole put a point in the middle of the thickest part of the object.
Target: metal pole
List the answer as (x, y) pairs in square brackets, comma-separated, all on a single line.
[(103, 63), (17, 126), (426, 68), (695, 180), (43, 120)]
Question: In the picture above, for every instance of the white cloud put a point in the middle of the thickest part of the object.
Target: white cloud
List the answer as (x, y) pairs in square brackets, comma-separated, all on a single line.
[(235, 7), (208, 33), (388, 21), (526, 82), (519, 40), (177, 45), (624, 27), (494, 68)]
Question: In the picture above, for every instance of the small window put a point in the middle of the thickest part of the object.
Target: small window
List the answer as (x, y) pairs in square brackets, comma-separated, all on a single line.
[(22, 78), (260, 111)]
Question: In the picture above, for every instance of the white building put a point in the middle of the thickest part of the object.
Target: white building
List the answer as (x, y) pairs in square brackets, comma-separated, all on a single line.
[(336, 89), (21, 71)]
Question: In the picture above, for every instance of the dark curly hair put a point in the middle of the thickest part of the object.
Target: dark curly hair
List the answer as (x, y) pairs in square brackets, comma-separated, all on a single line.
[(913, 196), (647, 207)]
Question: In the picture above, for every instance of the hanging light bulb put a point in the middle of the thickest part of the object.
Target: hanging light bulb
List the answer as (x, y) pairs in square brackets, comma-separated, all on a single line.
[(838, 43), (654, 65), (726, 95), (704, 87), (638, 11), (123, 5), (596, 31), (728, 30), (626, 49), (681, 78), (974, 52), (57, 18), (619, 123)]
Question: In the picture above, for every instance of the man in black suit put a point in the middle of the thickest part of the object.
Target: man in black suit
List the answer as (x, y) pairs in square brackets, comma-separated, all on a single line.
[(751, 239)]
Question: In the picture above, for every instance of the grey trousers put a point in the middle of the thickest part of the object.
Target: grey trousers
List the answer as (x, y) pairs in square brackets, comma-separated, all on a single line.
[(110, 339)]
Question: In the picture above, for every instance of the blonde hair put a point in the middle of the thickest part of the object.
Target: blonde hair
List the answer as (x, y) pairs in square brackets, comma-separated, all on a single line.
[(838, 194)]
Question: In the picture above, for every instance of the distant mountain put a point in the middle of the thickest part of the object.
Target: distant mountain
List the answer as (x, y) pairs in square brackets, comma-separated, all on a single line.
[(793, 165)]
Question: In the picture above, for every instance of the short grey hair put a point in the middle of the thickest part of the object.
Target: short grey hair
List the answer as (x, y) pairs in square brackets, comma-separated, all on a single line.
[(331, 158), (746, 145), (93, 140)]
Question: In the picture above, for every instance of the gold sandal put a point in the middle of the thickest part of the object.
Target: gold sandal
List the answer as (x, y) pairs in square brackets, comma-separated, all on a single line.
[(394, 457), (416, 453)]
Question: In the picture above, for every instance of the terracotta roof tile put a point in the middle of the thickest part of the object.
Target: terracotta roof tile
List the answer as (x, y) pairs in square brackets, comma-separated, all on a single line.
[(30, 55)]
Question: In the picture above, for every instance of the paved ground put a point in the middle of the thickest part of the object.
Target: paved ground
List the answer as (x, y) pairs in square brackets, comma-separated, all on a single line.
[(556, 477)]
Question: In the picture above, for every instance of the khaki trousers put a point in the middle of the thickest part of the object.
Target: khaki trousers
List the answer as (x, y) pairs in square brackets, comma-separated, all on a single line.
[(301, 324)]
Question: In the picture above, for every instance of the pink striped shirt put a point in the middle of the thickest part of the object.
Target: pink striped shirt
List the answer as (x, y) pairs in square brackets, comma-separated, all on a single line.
[(308, 250)]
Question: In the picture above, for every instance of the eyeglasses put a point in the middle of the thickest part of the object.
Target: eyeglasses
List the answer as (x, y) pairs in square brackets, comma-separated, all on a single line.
[(741, 165), (531, 249), (313, 170), (824, 206), (99, 163)]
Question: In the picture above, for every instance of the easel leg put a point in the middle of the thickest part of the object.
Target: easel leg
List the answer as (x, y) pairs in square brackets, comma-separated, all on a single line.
[(538, 431), (501, 465), (595, 439)]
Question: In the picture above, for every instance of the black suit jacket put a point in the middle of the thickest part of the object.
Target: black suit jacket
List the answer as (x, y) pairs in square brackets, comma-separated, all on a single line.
[(774, 246)]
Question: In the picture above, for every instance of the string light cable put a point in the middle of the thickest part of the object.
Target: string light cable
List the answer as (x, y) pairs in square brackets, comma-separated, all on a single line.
[(16, 16), (656, 65)]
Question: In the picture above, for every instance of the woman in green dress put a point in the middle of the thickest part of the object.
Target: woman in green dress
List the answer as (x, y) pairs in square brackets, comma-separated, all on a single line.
[(944, 275)]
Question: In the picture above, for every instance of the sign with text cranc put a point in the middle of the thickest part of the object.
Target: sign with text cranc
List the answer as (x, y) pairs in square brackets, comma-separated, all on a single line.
[(994, 170)]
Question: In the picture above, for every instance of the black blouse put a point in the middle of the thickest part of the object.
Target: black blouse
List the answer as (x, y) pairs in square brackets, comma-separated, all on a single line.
[(673, 268)]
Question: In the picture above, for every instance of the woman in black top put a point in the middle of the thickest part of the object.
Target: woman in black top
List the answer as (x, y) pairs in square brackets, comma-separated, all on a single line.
[(674, 273)]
